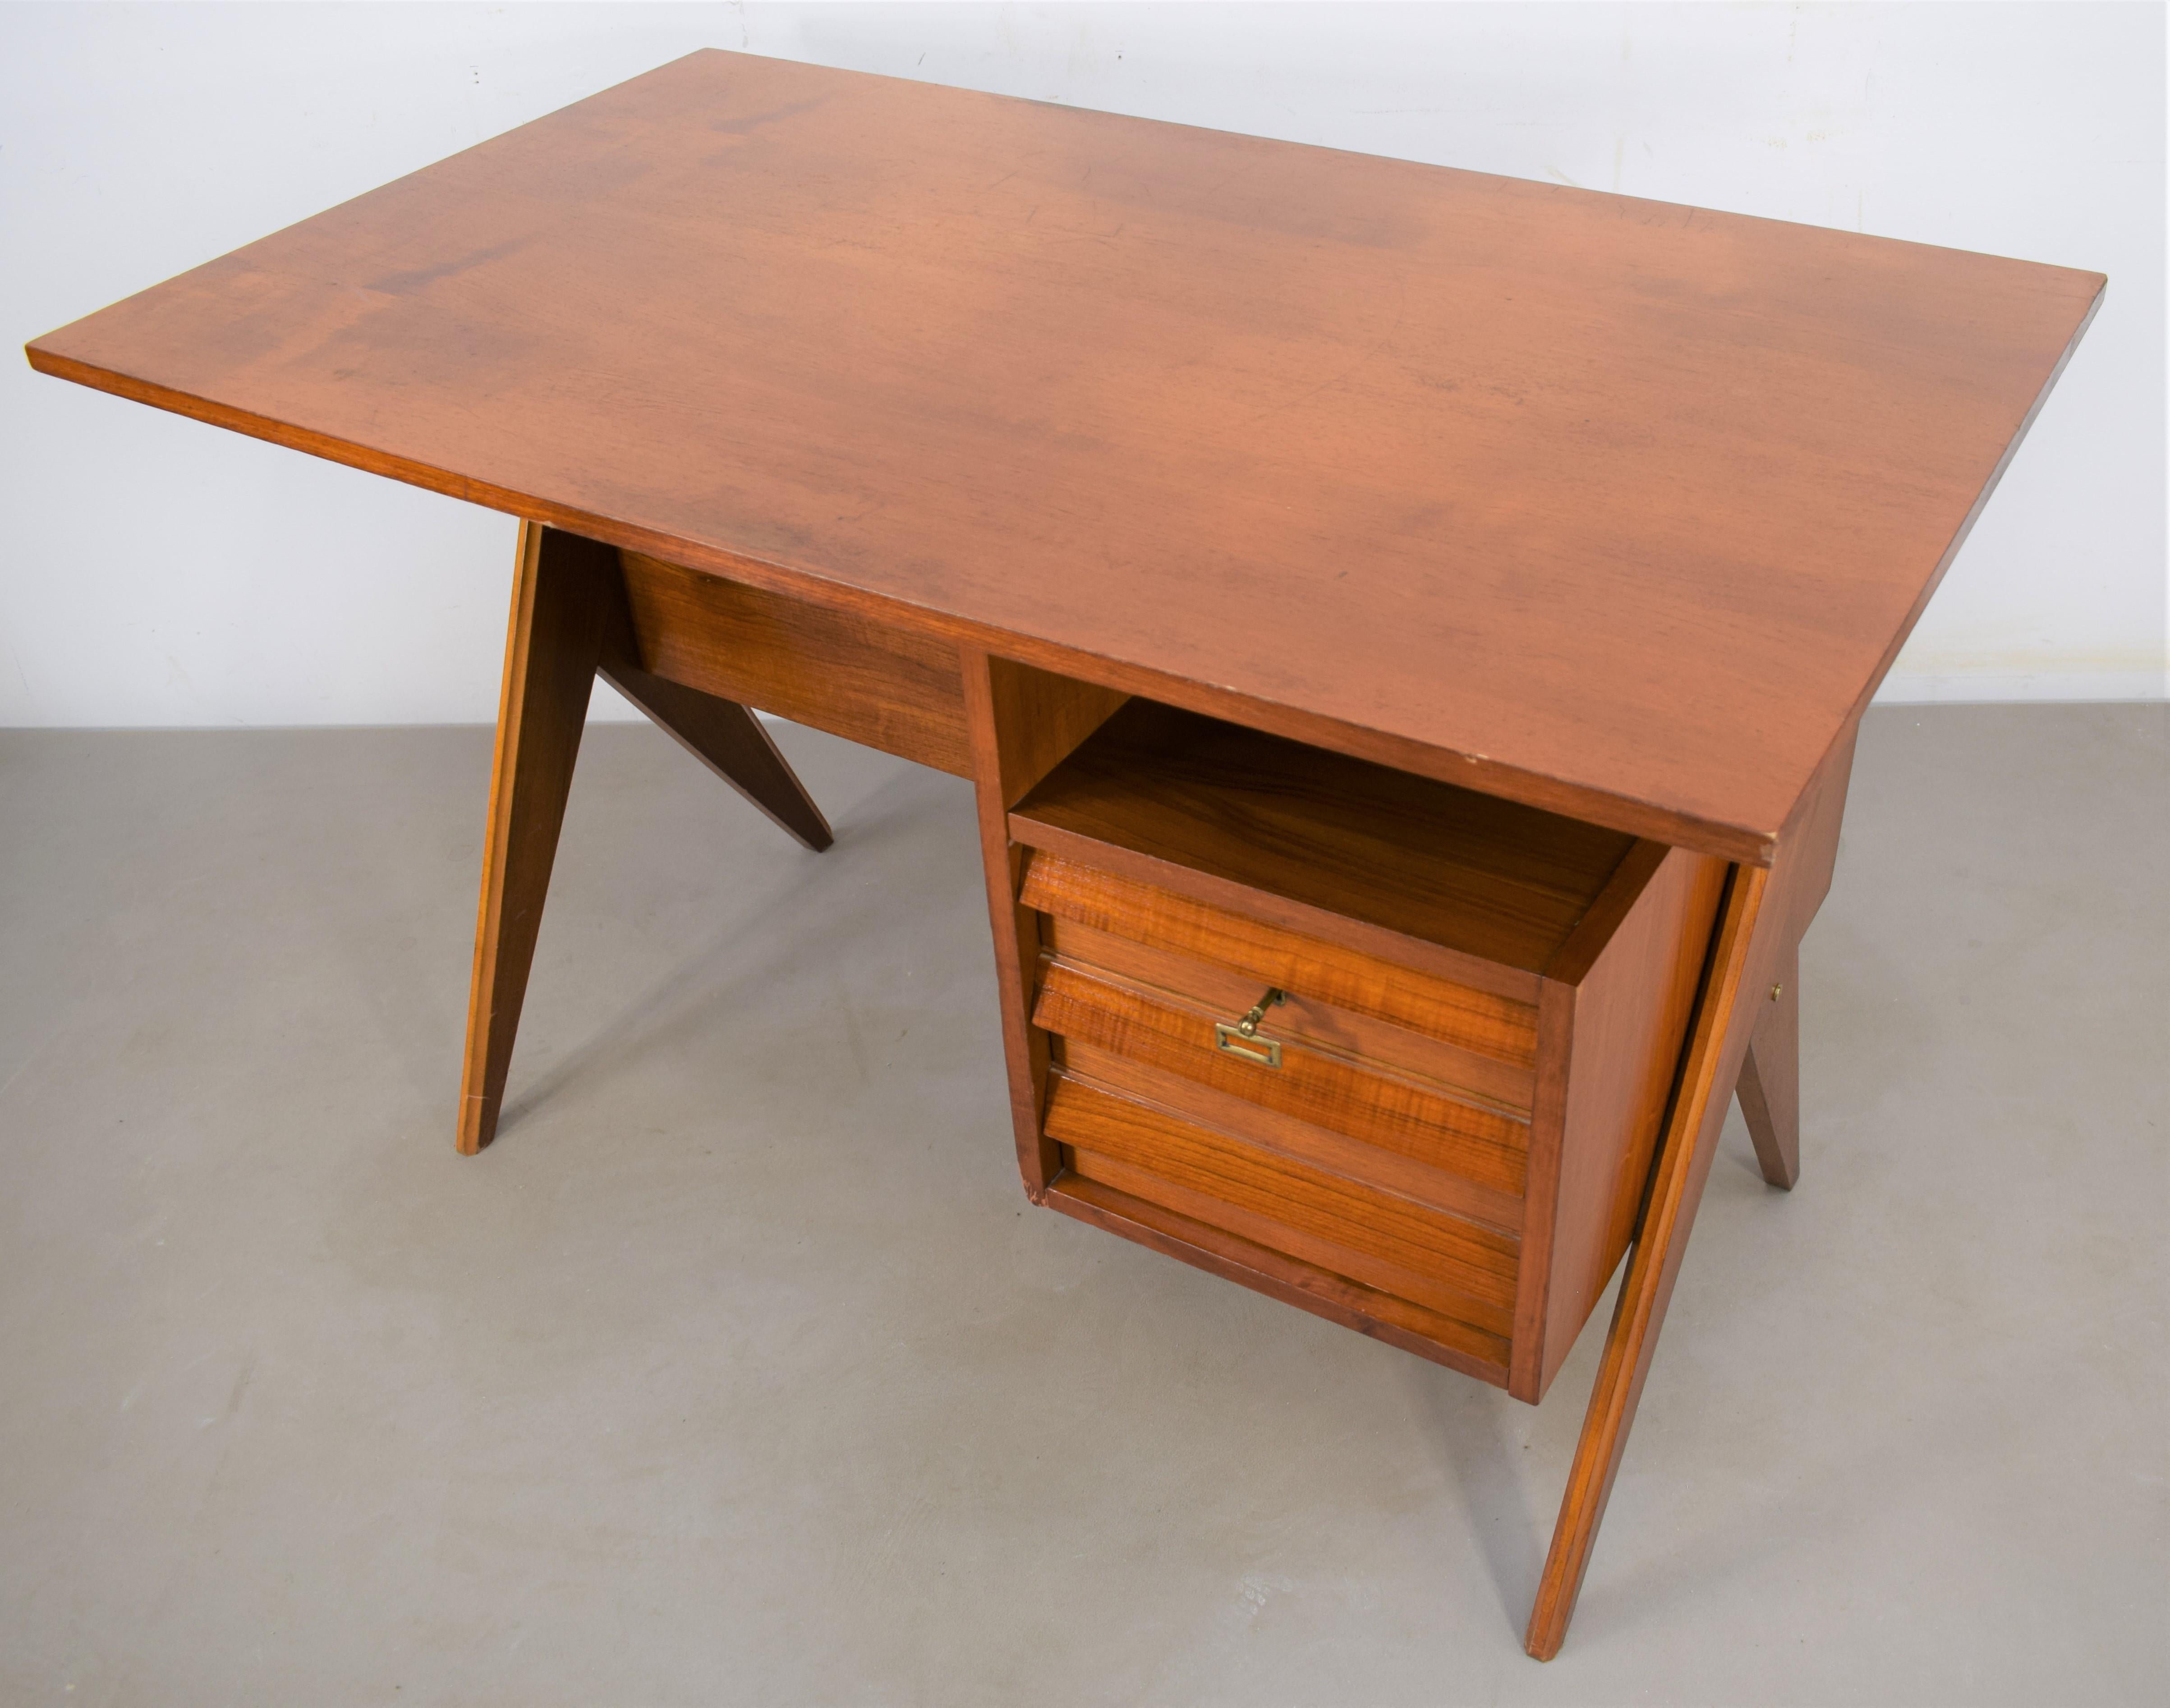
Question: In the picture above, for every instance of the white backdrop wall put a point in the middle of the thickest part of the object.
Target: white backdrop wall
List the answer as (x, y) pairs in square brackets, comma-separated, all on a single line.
[(155, 571)]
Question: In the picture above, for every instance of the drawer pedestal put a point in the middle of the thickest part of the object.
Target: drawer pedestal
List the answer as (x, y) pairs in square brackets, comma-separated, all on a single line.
[(1393, 1051)]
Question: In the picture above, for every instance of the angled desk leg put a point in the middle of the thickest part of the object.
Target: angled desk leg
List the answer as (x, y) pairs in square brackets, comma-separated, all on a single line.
[(1770, 1088), (1685, 1150), (730, 741), (561, 609), (568, 622), (1771, 1076), (1756, 945)]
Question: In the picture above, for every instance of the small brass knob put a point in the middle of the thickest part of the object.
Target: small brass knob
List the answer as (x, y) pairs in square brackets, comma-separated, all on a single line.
[(1242, 1039), (1249, 1025)]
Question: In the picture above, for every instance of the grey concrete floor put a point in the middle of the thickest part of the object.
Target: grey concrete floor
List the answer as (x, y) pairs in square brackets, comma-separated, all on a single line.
[(740, 1370)]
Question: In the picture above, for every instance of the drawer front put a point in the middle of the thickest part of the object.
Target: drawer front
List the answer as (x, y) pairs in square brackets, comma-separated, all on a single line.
[(1320, 1026), (1497, 1029), (1393, 1109), (1461, 1274)]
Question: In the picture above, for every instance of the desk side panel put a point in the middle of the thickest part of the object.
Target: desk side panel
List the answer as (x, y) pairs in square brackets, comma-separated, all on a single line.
[(1631, 1016), (1022, 723)]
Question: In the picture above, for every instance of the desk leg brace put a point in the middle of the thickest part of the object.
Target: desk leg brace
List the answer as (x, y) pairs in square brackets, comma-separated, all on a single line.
[(569, 623)]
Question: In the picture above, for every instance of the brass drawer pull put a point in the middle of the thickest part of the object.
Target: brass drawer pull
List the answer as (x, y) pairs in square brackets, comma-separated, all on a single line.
[(1242, 1038)]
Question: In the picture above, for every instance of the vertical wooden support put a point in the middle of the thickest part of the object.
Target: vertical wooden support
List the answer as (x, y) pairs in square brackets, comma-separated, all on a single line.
[(1682, 1164), (1771, 1076), (1023, 722), (563, 595)]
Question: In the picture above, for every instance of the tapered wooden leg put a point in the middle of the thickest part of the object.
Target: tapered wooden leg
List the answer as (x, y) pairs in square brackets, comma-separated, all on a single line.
[(1756, 946), (1715, 1047), (730, 741), (561, 609), (569, 621), (1771, 1076)]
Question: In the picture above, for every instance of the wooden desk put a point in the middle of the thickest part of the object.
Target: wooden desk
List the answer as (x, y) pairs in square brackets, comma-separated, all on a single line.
[(951, 423)]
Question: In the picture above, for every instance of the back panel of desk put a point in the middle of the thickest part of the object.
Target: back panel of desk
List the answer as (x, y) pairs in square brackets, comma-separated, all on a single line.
[(885, 686)]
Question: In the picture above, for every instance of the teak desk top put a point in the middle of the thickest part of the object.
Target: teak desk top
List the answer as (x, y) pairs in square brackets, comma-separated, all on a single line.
[(1615, 507)]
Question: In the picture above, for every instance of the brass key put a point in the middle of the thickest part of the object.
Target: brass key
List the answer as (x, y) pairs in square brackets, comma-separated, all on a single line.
[(1242, 1038)]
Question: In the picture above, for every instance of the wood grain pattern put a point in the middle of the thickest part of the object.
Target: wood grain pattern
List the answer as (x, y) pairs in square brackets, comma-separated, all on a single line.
[(1479, 876), (1474, 1017), (1299, 1017), (1276, 1213), (1382, 1315), (1618, 508), (1321, 1147), (1020, 723), (1457, 1267), (1395, 1114), (891, 688), (1579, 951), (564, 596), (1301, 918), (1015, 928), (1042, 718)]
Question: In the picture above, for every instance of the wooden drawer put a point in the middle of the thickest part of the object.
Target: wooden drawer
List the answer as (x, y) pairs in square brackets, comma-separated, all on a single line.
[(1460, 1273), (1379, 1101), (1439, 1130), (1336, 995)]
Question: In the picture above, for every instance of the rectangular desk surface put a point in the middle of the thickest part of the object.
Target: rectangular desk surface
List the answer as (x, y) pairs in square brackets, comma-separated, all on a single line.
[(1615, 507)]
